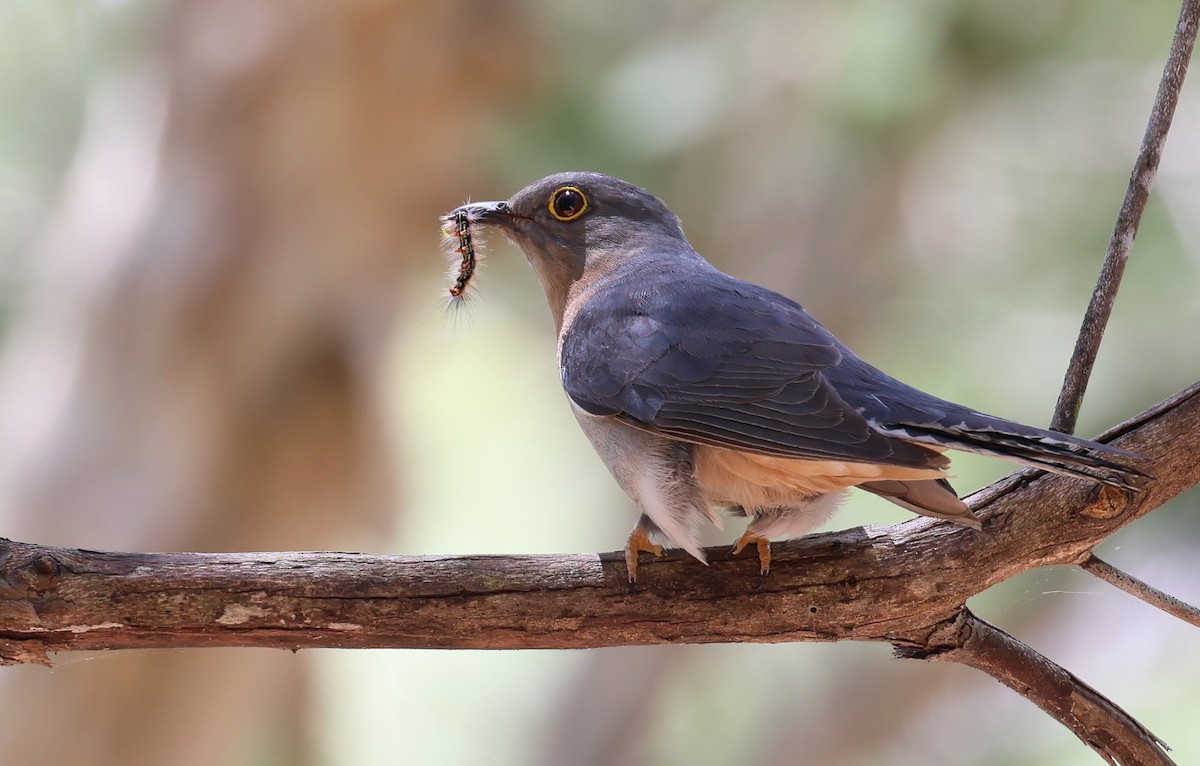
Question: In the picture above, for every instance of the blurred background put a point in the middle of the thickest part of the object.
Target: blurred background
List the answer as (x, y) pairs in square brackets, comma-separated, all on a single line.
[(224, 328)]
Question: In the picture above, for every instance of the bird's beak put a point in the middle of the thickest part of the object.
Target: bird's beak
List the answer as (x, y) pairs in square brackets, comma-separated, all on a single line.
[(485, 213)]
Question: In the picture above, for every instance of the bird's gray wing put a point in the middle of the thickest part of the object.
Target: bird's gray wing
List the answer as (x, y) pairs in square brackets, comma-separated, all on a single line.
[(714, 360)]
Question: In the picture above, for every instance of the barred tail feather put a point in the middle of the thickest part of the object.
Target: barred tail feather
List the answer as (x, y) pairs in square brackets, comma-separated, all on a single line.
[(1048, 450)]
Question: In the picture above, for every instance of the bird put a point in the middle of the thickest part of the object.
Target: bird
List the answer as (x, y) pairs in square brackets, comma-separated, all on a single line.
[(707, 396)]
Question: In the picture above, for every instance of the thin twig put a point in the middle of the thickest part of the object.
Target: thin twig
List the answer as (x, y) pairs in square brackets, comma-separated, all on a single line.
[(1066, 411), (1138, 589), (1095, 719)]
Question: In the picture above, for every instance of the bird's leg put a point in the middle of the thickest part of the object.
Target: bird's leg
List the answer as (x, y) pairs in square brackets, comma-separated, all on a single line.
[(764, 549), (639, 540)]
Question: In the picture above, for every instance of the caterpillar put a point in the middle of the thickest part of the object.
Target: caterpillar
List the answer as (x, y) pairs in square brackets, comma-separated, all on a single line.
[(456, 233)]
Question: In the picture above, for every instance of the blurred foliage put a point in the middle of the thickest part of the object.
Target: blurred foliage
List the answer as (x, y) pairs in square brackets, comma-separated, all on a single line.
[(935, 180)]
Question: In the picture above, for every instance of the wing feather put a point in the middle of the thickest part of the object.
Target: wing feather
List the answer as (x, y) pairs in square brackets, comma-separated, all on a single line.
[(718, 361), (703, 357)]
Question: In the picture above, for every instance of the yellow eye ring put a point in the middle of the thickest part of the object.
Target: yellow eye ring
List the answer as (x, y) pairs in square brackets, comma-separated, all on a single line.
[(567, 203)]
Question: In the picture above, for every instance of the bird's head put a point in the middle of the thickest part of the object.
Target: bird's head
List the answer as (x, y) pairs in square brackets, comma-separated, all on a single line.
[(577, 227)]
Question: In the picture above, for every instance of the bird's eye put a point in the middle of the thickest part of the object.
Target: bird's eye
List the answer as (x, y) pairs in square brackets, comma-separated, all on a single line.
[(567, 203)]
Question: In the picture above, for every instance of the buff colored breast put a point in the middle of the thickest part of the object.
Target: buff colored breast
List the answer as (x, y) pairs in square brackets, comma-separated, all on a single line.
[(762, 481)]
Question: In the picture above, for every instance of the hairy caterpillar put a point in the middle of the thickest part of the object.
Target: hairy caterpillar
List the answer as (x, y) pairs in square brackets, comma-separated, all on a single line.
[(456, 233)]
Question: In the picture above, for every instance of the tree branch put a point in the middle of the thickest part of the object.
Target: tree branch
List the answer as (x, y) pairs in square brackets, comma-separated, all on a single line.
[(1087, 346), (1144, 591), (1106, 728), (901, 584)]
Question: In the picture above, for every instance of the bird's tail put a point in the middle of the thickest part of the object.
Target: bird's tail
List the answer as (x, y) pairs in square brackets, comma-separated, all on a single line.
[(905, 412), (971, 431)]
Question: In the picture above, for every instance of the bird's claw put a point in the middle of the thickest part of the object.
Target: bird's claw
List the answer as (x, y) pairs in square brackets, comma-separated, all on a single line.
[(638, 541), (764, 550)]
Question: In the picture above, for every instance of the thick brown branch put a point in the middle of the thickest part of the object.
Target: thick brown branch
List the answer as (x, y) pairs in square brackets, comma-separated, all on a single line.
[(1066, 411), (1108, 729), (893, 584), (1138, 589), (901, 584)]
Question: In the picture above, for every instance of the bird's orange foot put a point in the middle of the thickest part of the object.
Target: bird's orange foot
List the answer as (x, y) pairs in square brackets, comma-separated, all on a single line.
[(764, 550), (638, 541)]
